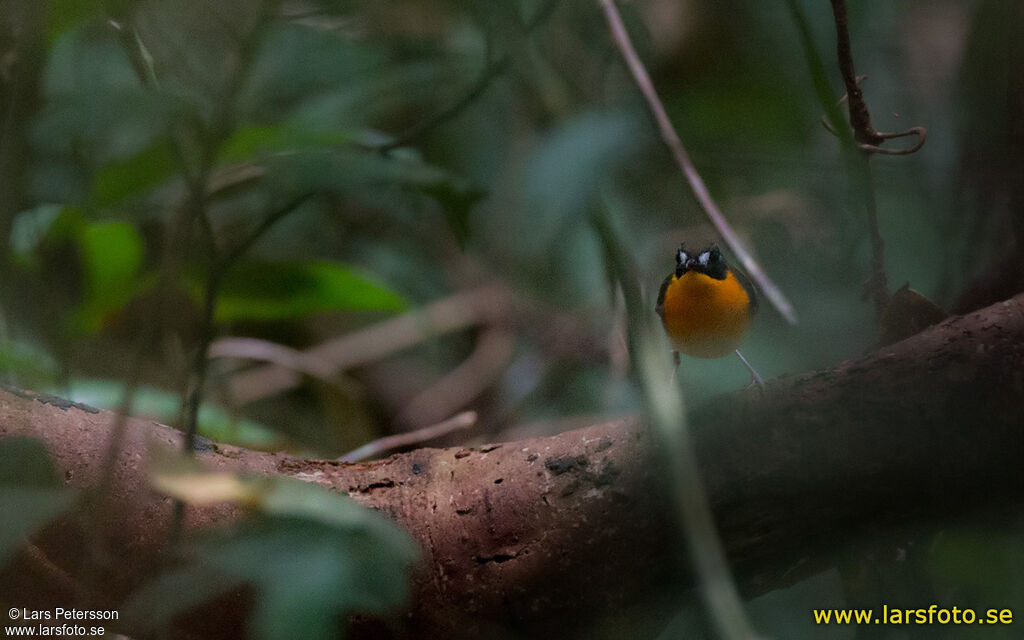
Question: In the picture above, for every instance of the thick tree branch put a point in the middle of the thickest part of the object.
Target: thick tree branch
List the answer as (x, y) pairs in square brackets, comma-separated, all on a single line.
[(538, 535)]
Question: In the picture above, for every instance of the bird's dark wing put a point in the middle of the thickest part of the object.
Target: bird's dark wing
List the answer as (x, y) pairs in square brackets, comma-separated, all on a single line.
[(659, 308), (748, 285)]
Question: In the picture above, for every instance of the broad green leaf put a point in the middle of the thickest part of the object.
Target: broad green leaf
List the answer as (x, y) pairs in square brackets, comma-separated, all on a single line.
[(31, 494), (280, 291), (111, 256), (112, 253), (566, 173), (570, 167), (248, 143), (296, 63), (173, 592), (343, 170), (61, 16), (134, 175), (310, 575), (95, 106), (312, 555), (389, 183), (25, 462), (287, 497), (26, 510)]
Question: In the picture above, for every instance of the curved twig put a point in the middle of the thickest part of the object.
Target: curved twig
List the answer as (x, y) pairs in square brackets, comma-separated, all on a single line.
[(458, 422), (920, 132), (700, 190), (464, 383), (378, 341)]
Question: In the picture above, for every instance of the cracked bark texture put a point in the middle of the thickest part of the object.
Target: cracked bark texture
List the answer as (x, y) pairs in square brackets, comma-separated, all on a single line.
[(540, 536)]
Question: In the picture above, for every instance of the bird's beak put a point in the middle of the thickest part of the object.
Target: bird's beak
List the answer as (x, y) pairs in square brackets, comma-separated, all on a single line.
[(684, 266)]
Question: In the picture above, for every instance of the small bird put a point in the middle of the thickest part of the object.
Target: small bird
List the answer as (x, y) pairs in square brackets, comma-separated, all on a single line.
[(706, 306)]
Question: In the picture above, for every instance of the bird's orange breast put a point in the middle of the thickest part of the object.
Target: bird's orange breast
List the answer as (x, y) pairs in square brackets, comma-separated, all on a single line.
[(705, 317)]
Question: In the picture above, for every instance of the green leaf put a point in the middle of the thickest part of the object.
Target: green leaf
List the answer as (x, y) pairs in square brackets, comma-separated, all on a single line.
[(26, 510), (250, 142), (566, 173), (342, 170), (61, 16), (111, 257), (309, 575), (288, 497), (176, 591), (25, 462), (570, 167), (95, 108), (133, 175), (31, 494), (296, 63), (381, 182), (287, 290), (312, 555)]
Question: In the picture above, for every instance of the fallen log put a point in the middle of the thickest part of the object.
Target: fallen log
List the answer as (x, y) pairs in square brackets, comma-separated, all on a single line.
[(537, 536)]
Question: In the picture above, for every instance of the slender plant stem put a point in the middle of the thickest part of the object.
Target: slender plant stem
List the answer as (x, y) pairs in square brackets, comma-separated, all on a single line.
[(233, 254), (867, 139), (675, 145), (667, 412), (860, 119), (223, 123), (878, 286)]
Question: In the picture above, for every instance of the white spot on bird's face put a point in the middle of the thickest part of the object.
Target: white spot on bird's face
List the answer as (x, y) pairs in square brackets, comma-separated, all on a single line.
[(703, 258), (682, 257)]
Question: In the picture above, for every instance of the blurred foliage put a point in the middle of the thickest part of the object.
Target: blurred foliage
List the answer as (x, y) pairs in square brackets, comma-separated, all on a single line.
[(215, 422), (31, 493), (312, 555), (161, 137), (281, 291)]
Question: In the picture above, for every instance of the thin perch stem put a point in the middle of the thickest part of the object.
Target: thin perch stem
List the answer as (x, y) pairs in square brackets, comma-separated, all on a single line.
[(860, 119), (755, 376), (878, 284), (868, 140), (700, 190)]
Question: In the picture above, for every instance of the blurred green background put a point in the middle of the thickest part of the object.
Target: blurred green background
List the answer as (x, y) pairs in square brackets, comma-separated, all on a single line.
[(409, 152)]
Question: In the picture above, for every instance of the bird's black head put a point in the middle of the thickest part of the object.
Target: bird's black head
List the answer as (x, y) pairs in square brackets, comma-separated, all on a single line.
[(708, 261)]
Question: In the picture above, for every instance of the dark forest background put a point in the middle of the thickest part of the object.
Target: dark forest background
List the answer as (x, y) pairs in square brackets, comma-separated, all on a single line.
[(174, 175)]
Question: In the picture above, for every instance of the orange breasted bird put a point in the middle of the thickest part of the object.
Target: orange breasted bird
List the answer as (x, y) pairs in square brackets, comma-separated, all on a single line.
[(706, 306)]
